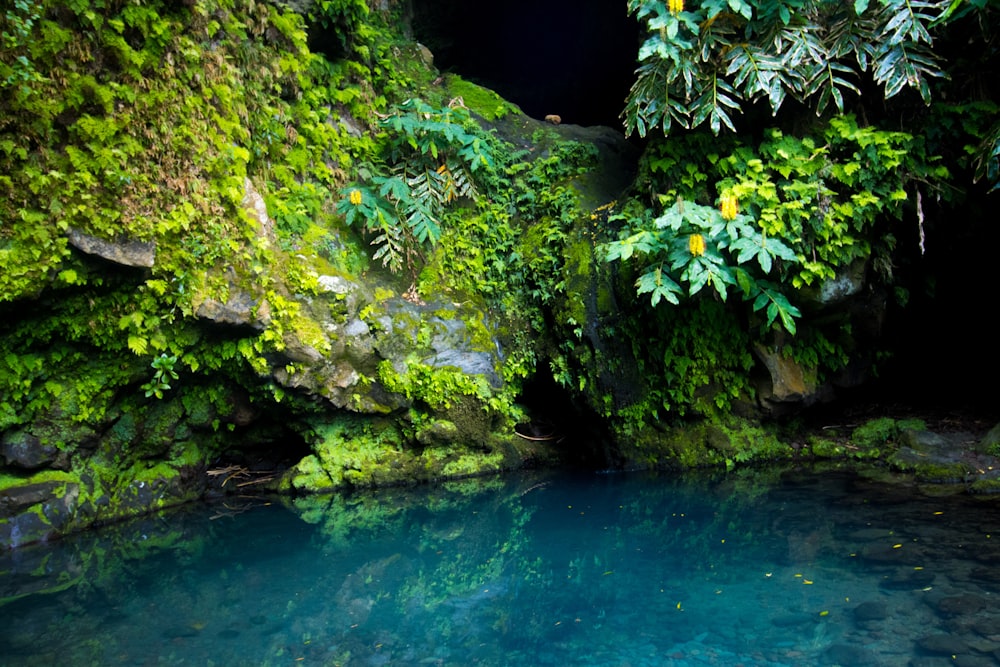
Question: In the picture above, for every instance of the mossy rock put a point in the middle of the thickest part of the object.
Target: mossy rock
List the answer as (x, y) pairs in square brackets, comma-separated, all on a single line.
[(481, 101)]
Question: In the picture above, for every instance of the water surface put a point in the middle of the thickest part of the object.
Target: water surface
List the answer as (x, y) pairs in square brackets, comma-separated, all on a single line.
[(751, 568)]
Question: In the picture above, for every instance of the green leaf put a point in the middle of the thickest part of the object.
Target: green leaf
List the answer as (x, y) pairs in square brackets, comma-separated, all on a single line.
[(138, 344), (659, 286)]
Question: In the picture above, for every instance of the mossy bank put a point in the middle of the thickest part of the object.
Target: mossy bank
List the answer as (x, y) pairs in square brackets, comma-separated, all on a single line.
[(270, 248)]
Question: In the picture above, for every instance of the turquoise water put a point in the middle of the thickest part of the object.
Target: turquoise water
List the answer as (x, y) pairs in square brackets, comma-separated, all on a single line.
[(751, 568)]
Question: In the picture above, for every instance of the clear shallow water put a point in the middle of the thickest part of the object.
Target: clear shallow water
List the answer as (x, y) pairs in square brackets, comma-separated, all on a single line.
[(752, 568)]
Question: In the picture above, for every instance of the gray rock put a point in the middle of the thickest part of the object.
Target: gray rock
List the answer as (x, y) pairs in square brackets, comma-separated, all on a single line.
[(15, 499), (24, 450), (240, 309), (871, 611), (958, 605), (848, 655), (848, 282), (123, 251), (942, 644)]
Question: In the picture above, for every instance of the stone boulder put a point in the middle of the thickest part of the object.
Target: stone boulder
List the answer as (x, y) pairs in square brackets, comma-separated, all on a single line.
[(126, 252)]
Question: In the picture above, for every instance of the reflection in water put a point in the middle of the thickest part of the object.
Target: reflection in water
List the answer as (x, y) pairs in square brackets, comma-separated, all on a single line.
[(756, 567)]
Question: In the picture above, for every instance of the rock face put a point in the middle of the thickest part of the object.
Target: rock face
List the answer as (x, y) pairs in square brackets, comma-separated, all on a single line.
[(124, 252), (354, 347)]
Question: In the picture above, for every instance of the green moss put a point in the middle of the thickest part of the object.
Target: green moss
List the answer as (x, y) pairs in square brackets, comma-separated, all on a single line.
[(875, 433), (721, 443), (985, 486), (825, 447), (309, 475), (8, 480), (481, 101)]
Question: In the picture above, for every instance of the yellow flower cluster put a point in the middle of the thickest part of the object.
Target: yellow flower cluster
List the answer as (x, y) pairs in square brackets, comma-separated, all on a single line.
[(355, 197), (696, 244), (729, 207), (675, 6)]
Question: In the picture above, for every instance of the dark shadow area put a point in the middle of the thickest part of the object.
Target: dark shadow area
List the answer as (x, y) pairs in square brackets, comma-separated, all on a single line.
[(572, 59), (579, 434), (945, 349)]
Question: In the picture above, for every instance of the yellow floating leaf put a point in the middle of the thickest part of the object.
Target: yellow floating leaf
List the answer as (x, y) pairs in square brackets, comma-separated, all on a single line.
[(824, 613)]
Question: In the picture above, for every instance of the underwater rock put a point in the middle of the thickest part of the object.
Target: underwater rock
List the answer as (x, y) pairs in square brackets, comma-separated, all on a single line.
[(942, 644), (794, 620), (848, 655), (958, 605), (907, 580), (867, 612)]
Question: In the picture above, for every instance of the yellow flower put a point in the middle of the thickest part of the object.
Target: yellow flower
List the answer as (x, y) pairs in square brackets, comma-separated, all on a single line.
[(675, 6), (729, 207), (696, 244), (355, 197)]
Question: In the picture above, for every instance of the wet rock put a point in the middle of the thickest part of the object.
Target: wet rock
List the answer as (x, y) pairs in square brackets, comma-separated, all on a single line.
[(14, 500), (957, 605), (867, 612), (20, 449), (848, 655), (941, 644), (990, 442), (934, 457), (240, 309), (908, 581), (794, 620), (23, 529), (848, 282)]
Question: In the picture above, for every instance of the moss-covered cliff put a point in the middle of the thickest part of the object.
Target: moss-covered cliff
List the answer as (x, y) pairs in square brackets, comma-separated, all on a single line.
[(269, 247)]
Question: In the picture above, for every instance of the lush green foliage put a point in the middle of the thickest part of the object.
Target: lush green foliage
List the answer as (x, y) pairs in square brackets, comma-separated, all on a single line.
[(143, 123), (704, 63), (433, 156), (701, 246), (801, 209)]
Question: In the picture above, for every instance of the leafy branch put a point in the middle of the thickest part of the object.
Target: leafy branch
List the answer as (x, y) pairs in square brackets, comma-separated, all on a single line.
[(707, 63), (434, 157), (691, 246)]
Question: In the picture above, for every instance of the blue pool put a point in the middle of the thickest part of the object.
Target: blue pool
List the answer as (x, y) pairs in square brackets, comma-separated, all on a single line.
[(755, 567)]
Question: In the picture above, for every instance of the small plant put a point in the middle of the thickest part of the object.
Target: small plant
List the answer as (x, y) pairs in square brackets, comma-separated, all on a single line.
[(163, 366)]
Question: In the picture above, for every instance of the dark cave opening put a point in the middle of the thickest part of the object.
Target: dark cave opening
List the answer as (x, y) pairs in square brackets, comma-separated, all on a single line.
[(572, 59), (942, 343)]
